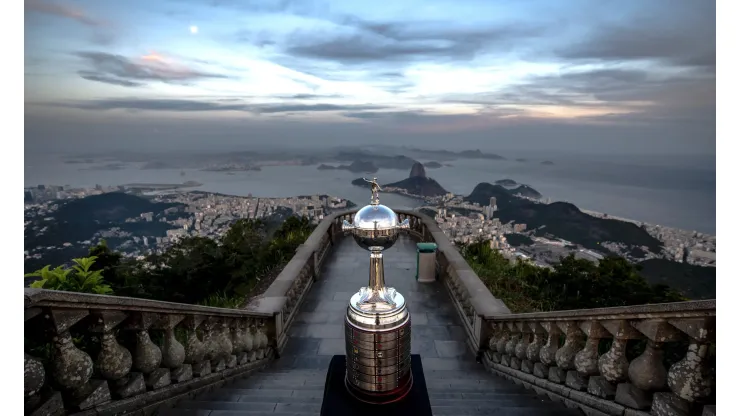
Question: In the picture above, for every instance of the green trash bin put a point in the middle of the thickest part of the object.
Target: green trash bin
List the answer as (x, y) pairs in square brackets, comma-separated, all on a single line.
[(426, 262)]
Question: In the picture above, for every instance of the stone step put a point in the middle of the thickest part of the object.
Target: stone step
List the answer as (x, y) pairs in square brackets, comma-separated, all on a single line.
[(278, 384), (504, 411), (228, 396), (306, 394), (493, 403), (206, 412), (299, 408)]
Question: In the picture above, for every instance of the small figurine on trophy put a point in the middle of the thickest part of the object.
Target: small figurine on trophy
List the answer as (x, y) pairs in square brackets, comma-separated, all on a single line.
[(374, 190)]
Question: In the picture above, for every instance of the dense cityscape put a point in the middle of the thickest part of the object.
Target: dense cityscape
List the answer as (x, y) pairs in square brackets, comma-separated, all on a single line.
[(210, 215)]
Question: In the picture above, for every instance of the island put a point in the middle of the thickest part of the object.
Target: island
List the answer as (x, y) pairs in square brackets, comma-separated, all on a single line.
[(432, 165), (357, 166), (418, 184), (521, 160), (547, 162), (232, 167)]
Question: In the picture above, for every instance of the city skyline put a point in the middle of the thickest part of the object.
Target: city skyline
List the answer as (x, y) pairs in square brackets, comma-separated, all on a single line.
[(636, 76)]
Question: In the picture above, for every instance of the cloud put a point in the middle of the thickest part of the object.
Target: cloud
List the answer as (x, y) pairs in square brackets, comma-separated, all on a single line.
[(681, 34), (379, 42), (92, 76), (119, 70), (60, 10), (201, 106)]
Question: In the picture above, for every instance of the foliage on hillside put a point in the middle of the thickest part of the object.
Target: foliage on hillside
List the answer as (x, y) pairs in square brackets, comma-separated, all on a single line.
[(572, 284), (221, 272)]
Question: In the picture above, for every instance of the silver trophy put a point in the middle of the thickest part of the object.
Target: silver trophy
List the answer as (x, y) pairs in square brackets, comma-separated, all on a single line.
[(377, 325)]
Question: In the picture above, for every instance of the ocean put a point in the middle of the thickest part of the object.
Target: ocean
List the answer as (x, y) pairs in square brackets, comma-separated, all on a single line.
[(674, 193)]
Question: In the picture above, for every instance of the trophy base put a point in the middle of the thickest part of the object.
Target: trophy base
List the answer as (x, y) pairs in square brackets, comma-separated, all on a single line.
[(385, 397)]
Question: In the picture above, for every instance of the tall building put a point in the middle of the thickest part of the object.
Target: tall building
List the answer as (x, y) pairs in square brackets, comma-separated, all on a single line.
[(492, 202)]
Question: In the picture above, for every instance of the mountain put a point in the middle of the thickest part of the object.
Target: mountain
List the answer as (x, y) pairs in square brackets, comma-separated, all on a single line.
[(418, 184), (562, 220), (506, 182), (526, 191), (80, 219), (418, 170)]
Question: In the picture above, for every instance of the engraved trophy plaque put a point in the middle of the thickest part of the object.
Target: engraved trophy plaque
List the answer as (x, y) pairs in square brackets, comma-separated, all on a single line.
[(377, 325)]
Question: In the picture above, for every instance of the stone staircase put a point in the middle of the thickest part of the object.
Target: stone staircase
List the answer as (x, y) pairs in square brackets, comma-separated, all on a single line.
[(299, 392), (294, 384)]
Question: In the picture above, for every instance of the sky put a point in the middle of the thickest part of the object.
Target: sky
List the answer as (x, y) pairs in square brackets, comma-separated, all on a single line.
[(628, 76)]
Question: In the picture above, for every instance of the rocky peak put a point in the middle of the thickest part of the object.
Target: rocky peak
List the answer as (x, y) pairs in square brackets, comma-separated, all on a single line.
[(417, 170)]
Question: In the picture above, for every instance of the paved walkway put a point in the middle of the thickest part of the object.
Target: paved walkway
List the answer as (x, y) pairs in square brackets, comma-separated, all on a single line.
[(318, 332)]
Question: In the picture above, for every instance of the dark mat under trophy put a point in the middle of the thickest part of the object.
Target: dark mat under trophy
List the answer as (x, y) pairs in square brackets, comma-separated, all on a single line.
[(339, 402)]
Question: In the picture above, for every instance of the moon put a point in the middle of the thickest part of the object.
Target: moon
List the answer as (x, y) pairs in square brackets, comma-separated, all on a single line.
[(194, 29)]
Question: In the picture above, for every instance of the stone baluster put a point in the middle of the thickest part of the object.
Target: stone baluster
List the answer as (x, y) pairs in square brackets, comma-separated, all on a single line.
[(173, 353), (690, 379), (548, 351), (646, 373), (114, 361), (520, 349), (71, 367), (493, 342), (227, 346), (613, 365), (238, 341), (532, 352), (514, 335), (261, 337), (211, 341), (195, 350), (252, 342), (37, 400), (586, 361), (565, 355), (148, 356), (502, 341)]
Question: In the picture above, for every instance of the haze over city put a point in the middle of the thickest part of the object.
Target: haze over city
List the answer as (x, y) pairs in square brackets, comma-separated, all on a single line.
[(632, 77)]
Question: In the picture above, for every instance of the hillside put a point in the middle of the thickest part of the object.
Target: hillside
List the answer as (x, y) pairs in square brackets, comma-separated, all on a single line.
[(79, 219), (526, 191), (563, 220), (694, 282)]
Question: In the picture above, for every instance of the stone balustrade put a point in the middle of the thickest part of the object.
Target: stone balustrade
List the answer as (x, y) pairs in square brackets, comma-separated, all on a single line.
[(557, 353), (94, 354)]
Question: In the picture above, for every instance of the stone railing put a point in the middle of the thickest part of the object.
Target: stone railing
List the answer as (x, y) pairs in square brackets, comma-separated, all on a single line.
[(94, 354), (557, 353), (286, 293), (470, 296)]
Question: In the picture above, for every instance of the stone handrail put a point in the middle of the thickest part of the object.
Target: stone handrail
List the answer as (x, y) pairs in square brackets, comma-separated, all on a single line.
[(78, 364), (557, 353), (284, 296), (470, 296)]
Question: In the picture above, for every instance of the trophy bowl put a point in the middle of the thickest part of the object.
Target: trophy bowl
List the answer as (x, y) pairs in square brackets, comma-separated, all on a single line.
[(375, 227)]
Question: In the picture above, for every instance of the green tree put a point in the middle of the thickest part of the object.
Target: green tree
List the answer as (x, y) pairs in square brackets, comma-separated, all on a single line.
[(78, 278)]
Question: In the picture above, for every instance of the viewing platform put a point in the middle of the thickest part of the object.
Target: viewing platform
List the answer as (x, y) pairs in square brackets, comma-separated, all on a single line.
[(273, 356)]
